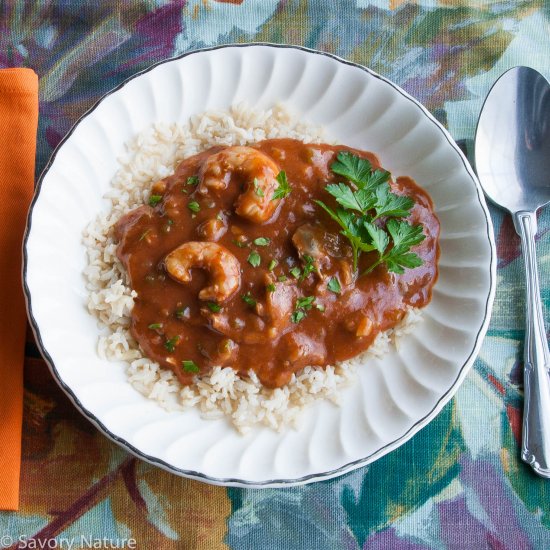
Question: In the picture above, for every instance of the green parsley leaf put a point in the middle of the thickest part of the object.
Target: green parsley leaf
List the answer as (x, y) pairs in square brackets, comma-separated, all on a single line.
[(334, 285), (284, 188), (297, 316), (378, 177), (194, 206), (305, 303), (282, 278), (352, 167), (155, 326), (302, 306), (359, 171), (240, 244), (344, 195), (380, 239), (351, 229), (270, 287), (190, 366), (368, 198), (248, 300), (397, 261), (261, 241), (214, 307), (309, 267), (254, 259), (295, 272), (257, 189), (272, 265), (389, 204), (154, 200), (171, 343), (399, 257), (405, 235), (193, 180)]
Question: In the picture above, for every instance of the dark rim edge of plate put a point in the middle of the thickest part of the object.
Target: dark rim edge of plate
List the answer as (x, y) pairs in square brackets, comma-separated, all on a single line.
[(318, 476)]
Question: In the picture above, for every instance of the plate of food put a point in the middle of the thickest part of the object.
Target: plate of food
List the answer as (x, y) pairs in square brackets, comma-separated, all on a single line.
[(259, 265)]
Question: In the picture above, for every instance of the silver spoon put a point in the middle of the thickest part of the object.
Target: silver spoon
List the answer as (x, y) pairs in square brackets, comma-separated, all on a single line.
[(512, 151)]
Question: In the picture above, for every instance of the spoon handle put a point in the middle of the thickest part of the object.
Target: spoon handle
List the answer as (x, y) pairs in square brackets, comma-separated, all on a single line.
[(536, 409)]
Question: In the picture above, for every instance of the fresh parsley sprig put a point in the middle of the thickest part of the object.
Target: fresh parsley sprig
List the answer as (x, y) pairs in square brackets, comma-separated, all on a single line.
[(369, 199)]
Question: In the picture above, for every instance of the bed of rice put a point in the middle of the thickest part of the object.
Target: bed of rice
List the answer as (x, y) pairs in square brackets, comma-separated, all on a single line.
[(153, 155)]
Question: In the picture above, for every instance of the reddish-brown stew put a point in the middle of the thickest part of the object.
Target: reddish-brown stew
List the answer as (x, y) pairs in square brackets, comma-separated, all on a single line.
[(172, 325)]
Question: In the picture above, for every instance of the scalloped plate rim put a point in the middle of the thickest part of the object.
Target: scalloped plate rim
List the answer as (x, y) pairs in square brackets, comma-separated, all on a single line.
[(316, 476)]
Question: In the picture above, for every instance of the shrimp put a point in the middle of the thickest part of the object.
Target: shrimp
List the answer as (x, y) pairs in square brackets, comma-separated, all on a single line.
[(260, 173), (213, 229), (224, 268)]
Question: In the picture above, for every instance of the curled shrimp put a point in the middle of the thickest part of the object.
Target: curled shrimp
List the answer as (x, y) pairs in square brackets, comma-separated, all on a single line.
[(224, 268), (256, 203)]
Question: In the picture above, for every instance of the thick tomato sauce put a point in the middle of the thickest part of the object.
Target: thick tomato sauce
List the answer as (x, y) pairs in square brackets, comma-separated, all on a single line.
[(259, 331)]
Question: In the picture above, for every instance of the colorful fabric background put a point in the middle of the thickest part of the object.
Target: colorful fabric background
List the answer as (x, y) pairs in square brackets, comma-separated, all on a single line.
[(459, 483)]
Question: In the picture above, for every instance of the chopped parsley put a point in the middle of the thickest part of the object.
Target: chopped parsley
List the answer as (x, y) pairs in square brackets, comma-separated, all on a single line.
[(297, 316), (305, 303), (367, 200), (302, 306), (214, 307), (171, 343), (270, 287), (248, 300), (334, 285), (272, 265), (194, 206), (254, 259), (192, 180), (261, 241), (154, 200), (284, 187), (257, 189), (240, 244), (155, 326), (190, 366), (309, 266), (282, 278), (296, 272)]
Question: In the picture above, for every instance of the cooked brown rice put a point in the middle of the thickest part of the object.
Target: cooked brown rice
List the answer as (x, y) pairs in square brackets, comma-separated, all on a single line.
[(153, 155)]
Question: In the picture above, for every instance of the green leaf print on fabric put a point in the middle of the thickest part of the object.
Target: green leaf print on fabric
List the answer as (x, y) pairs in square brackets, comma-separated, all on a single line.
[(536, 492), (406, 478)]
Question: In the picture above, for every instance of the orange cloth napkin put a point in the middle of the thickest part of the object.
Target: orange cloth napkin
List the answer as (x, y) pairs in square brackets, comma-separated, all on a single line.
[(18, 124)]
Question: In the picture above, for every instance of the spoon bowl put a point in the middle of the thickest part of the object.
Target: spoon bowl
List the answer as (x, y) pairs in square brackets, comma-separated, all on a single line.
[(512, 147), (512, 153)]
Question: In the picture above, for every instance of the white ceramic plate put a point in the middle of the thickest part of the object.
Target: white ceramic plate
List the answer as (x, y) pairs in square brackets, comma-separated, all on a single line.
[(394, 397)]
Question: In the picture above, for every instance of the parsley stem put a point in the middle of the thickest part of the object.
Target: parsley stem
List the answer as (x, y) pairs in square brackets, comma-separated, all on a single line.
[(355, 257), (375, 264)]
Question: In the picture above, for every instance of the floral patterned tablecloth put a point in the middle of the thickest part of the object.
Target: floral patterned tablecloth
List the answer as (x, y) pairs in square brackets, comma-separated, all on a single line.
[(457, 484)]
